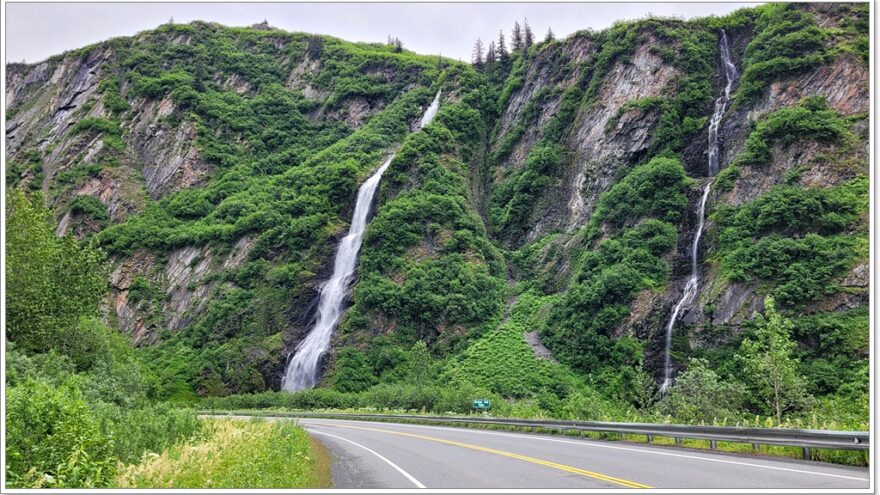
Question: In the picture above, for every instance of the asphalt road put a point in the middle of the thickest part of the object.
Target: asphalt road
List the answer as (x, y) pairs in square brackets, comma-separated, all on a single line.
[(392, 455)]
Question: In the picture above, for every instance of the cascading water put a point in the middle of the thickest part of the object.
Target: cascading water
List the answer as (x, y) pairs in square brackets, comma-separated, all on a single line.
[(303, 370), (690, 289), (720, 105), (431, 111)]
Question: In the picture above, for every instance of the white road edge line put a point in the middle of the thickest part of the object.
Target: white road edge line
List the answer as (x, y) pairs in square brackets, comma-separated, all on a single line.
[(604, 446), (380, 456)]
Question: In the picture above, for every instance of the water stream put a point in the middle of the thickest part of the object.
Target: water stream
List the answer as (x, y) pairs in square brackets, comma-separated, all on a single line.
[(304, 370), (713, 151)]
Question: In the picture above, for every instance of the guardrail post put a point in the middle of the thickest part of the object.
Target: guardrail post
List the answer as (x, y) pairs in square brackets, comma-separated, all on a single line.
[(713, 444), (677, 440), (808, 455), (650, 438)]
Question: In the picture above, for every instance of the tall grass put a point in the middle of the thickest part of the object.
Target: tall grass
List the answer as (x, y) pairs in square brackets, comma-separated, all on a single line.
[(233, 454)]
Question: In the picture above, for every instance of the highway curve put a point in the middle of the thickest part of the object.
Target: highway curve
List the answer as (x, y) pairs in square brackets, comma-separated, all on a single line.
[(393, 455)]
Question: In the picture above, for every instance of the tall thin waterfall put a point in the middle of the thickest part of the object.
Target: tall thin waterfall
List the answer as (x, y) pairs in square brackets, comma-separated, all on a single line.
[(720, 105), (303, 371), (690, 289), (431, 111)]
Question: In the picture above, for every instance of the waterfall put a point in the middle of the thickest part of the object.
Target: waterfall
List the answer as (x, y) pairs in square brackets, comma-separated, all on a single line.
[(713, 151), (720, 105), (690, 290), (431, 111), (303, 371)]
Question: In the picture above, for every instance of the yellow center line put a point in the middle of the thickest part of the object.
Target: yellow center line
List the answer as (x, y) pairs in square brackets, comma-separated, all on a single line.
[(533, 460)]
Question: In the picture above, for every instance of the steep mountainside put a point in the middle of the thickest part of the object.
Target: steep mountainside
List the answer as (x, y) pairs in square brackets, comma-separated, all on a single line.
[(553, 201)]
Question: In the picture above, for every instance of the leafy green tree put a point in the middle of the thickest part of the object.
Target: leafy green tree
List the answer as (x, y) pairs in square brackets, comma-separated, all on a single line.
[(699, 394), (420, 365), (51, 282), (769, 367)]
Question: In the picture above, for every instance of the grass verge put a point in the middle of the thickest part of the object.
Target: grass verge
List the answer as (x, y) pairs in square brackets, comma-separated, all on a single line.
[(235, 454)]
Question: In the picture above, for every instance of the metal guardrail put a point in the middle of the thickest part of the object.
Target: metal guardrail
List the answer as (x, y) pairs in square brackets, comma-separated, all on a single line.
[(805, 439)]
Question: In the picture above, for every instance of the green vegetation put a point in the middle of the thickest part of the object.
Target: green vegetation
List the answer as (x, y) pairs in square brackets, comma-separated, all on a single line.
[(109, 130), (637, 211), (834, 355), (79, 401), (700, 395), (810, 120), (52, 282), (235, 454), (427, 264), (112, 97), (448, 290), (282, 179), (91, 208), (768, 365), (787, 42), (29, 169), (643, 105), (794, 239)]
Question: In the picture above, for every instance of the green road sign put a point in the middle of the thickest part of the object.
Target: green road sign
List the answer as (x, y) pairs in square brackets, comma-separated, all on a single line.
[(482, 404)]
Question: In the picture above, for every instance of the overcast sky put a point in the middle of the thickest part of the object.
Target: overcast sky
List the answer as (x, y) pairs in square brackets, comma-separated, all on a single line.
[(35, 31)]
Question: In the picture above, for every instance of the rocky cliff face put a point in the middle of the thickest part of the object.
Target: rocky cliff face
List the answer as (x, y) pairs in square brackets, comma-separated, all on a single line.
[(120, 124), (223, 193)]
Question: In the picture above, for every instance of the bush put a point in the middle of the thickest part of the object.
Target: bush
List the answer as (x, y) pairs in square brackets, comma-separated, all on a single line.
[(699, 395), (788, 42), (810, 120), (89, 206), (54, 440), (655, 189), (796, 239)]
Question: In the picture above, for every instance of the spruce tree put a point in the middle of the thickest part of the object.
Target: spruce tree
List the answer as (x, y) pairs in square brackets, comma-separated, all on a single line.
[(477, 56), (501, 49), (490, 53), (529, 37), (517, 40), (549, 36)]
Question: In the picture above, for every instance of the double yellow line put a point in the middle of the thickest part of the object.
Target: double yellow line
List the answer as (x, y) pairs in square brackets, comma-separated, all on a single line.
[(533, 460)]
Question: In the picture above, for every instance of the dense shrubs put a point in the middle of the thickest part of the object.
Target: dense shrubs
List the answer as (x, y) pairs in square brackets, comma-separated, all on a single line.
[(811, 119), (78, 398), (794, 239), (54, 439), (426, 262), (91, 207), (608, 276), (655, 189), (517, 198), (788, 42), (107, 128)]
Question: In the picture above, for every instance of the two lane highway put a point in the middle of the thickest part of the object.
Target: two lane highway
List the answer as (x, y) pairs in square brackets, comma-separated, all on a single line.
[(394, 455)]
